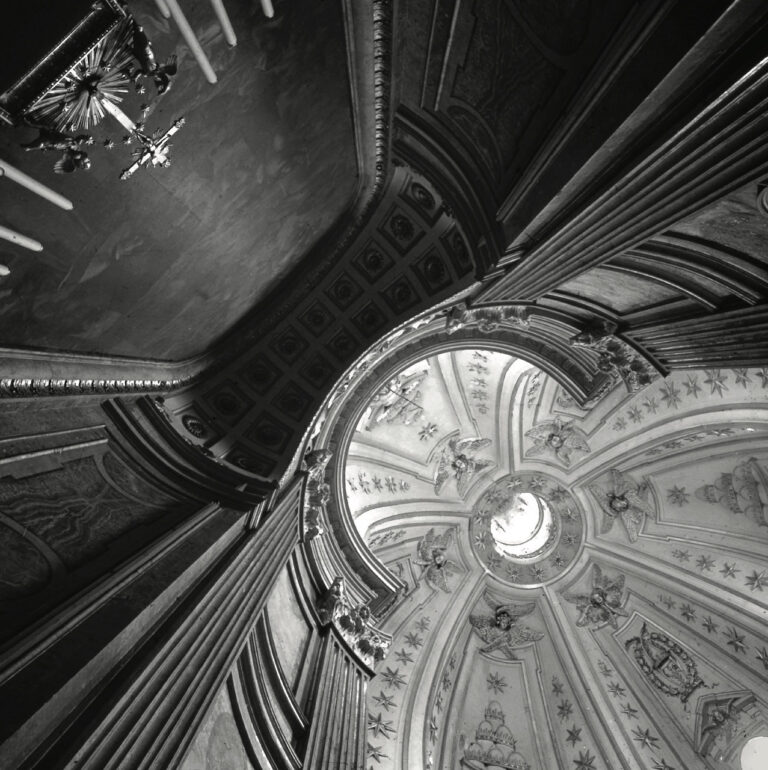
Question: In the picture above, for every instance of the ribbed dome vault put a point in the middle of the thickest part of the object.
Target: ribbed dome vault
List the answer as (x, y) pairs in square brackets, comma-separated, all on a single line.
[(575, 577)]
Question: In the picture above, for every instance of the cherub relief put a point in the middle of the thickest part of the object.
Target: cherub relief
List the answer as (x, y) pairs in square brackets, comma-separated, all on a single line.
[(503, 630), (432, 558), (558, 436), (624, 500), (457, 461), (602, 606)]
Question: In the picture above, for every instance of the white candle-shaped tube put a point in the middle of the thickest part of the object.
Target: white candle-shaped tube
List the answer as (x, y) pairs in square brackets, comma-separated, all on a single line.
[(226, 24), (28, 243), (118, 115), (9, 172), (163, 8), (266, 6), (191, 40)]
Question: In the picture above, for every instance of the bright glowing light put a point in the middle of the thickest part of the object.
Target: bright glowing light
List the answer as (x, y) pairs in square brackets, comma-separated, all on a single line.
[(754, 755), (523, 527)]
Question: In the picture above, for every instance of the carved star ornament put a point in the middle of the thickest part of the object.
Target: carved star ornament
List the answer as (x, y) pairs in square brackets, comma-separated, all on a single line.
[(625, 500), (602, 606)]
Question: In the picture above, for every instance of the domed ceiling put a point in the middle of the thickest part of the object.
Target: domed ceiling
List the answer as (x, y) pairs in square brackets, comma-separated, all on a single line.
[(586, 587)]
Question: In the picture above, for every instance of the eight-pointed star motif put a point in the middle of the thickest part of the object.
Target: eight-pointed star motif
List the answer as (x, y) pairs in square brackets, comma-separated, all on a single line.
[(624, 499), (616, 690), (651, 404), (585, 761), (375, 752), (635, 414), (742, 377), (574, 735), (757, 580), (716, 380), (678, 495), (557, 436), (670, 394), (710, 625), (412, 639), (496, 682), (735, 640), (379, 726), (629, 711), (403, 656), (393, 677), (386, 702), (644, 738), (692, 386)]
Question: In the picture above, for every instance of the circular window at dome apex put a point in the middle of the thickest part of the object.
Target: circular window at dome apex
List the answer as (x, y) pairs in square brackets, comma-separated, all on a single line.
[(441, 442), (754, 755), (527, 529), (522, 526)]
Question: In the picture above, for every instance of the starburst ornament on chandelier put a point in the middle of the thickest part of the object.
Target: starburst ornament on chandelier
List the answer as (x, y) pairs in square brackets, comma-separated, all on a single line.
[(93, 89)]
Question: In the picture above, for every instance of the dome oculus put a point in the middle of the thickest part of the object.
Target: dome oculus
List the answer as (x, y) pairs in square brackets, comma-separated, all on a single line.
[(527, 529)]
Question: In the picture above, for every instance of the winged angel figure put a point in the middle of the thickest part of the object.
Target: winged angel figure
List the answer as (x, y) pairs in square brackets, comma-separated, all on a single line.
[(557, 436), (503, 630), (73, 156), (626, 501), (457, 461), (603, 604), (436, 566)]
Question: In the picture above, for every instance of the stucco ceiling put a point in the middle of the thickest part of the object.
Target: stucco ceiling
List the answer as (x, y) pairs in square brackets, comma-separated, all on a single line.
[(658, 504)]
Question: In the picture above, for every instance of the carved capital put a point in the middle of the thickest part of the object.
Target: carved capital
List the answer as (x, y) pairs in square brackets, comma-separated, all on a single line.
[(330, 603), (615, 357), (486, 319), (315, 463)]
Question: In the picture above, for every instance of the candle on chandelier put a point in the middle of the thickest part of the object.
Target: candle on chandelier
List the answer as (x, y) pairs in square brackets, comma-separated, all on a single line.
[(8, 171), (22, 240), (224, 22), (191, 40)]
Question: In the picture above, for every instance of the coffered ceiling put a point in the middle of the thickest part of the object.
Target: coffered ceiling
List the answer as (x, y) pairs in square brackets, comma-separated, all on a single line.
[(163, 264)]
